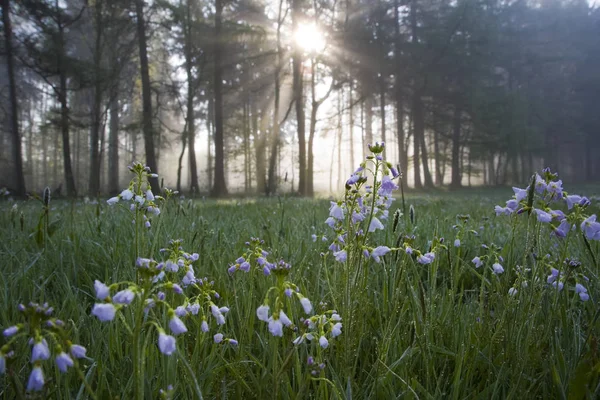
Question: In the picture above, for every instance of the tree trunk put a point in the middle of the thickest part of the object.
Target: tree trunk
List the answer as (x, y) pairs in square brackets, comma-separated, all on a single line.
[(456, 181), (403, 158), (417, 120), (191, 125), (184, 136), (351, 124), (439, 177), (113, 144), (19, 179), (146, 96), (219, 188), (426, 171), (368, 120), (259, 148), (299, 100)]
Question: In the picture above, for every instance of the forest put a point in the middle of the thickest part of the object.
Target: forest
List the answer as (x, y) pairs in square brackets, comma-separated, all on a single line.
[(269, 96)]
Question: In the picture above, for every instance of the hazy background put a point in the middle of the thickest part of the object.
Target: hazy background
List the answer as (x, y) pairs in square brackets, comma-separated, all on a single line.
[(463, 92)]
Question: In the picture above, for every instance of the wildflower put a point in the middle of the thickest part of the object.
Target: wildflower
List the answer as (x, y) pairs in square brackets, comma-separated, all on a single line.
[(218, 338), (542, 215), (336, 211), (204, 326), (104, 312), (457, 242), (553, 275), (314, 238), (582, 291), (36, 380), (166, 343), (40, 351), (63, 361), (336, 330), (590, 227), (340, 256), (177, 289), (426, 258), (112, 200), (176, 325), (102, 291), (306, 305), (378, 252), (127, 194), (512, 204), (540, 184), (353, 179), (477, 261), (189, 278), (375, 224), (409, 250), (232, 342), (149, 195), (330, 221), (245, 266), (502, 210), (498, 269), (520, 194), (559, 285), (285, 320), (2, 363), (394, 172), (78, 351), (124, 297), (275, 327), (8, 332), (512, 291), (563, 229), (323, 342)]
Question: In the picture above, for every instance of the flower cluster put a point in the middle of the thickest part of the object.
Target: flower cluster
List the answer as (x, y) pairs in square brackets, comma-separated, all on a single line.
[(44, 333), (324, 326), (568, 274), (363, 210), (492, 255), (139, 194), (161, 288), (423, 258), (541, 196)]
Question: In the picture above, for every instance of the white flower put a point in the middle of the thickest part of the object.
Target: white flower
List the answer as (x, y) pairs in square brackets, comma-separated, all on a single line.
[(127, 194), (512, 291), (112, 200), (102, 291), (284, 318), (375, 224), (262, 313), (139, 199), (104, 312), (498, 269), (275, 327), (336, 330), (323, 342), (149, 195)]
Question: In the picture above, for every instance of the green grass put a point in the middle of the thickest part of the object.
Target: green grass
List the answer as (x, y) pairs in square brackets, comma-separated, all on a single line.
[(444, 330)]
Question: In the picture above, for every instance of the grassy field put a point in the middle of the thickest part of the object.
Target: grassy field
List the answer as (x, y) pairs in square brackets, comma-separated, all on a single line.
[(443, 329)]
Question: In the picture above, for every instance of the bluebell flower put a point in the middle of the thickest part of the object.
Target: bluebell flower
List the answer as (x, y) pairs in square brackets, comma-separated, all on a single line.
[(36, 379), (353, 179), (176, 325), (63, 361), (582, 291), (512, 291), (340, 256), (591, 228), (394, 172), (123, 297), (426, 258), (10, 331), (126, 194), (331, 222), (77, 351), (512, 204), (378, 252), (323, 342), (520, 194), (502, 210), (2, 363), (245, 266), (408, 250), (218, 338), (102, 291), (275, 327), (563, 229), (177, 289), (313, 237), (456, 242), (498, 269), (112, 200), (306, 305), (232, 342), (375, 224), (40, 351), (556, 189), (104, 312), (553, 275), (558, 285), (477, 261), (181, 311), (204, 326), (285, 320), (336, 330), (542, 215), (540, 184), (166, 343), (571, 200), (336, 211), (262, 313)]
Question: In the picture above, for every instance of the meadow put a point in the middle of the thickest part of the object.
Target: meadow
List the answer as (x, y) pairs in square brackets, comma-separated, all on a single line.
[(261, 298)]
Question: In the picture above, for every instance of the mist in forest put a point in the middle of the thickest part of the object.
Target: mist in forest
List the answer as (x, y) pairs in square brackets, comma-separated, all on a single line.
[(263, 97)]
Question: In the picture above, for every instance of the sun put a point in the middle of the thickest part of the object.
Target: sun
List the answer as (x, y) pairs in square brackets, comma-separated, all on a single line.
[(310, 38)]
